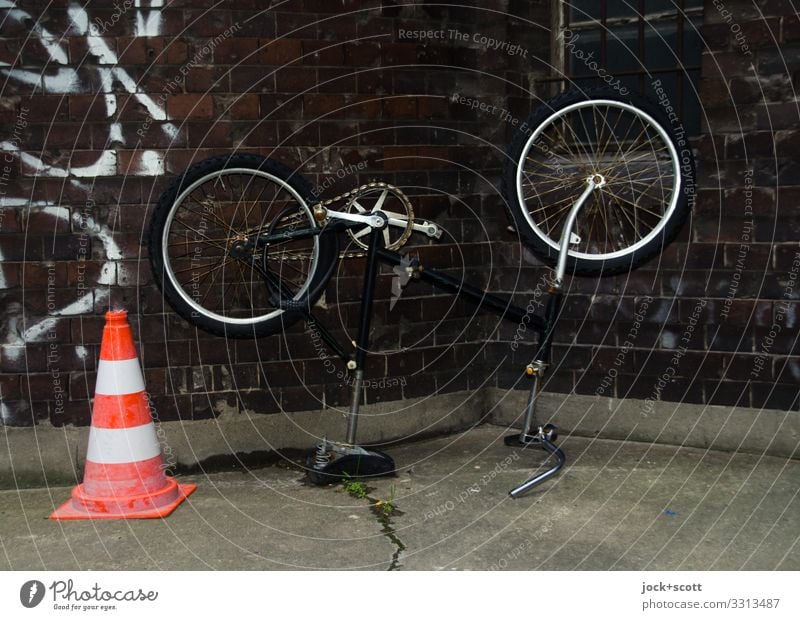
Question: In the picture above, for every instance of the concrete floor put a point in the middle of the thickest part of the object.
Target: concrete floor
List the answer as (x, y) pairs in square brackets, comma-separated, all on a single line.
[(616, 505)]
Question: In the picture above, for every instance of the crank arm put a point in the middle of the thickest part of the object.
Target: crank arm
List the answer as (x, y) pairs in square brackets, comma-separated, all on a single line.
[(371, 219), (429, 228), (401, 221)]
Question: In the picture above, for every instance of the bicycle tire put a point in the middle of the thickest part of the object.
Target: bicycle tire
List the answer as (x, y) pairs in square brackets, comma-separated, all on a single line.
[(655, 224), (257, 317)]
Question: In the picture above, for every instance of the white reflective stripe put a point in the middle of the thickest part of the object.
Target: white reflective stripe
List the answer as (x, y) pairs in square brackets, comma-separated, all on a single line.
[(123, 445), (119, 377)]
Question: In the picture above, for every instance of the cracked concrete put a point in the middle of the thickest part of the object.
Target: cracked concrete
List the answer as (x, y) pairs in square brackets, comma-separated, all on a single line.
[(616, 505)]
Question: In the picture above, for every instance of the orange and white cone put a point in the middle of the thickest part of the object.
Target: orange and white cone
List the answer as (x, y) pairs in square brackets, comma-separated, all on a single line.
[(124, 475)]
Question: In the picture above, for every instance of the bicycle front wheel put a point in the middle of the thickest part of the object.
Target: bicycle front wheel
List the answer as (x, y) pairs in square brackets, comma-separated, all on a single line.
[(223, 201), (625, 139)]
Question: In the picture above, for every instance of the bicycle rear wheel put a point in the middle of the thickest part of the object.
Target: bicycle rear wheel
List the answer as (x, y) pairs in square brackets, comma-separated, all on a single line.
[(215, 204), (624, 138)]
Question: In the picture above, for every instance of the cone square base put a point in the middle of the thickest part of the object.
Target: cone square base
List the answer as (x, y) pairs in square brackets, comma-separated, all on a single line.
[(108, 508)]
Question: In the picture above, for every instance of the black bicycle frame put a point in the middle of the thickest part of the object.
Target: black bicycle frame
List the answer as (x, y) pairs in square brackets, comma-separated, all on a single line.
[(531, 434)]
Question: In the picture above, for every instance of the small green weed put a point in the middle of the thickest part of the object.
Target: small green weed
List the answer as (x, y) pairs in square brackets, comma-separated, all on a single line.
[(354, 488), (386, 506)]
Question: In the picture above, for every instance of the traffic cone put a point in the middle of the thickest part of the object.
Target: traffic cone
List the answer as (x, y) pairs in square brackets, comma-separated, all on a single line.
[(124, 475)]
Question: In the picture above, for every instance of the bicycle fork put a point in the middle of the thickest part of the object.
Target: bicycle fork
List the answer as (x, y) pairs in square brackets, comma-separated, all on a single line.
[(533, 434)]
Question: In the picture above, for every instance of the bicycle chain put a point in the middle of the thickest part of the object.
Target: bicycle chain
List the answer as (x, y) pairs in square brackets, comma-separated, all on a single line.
[(356, 190), (345, 196)]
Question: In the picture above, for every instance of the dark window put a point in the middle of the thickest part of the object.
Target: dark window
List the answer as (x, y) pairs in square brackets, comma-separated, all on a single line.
[(633, 44)]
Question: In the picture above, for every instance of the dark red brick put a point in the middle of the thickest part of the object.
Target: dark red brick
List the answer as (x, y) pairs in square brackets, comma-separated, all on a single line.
[(189, 106), (208, 21), (205, 79), (280, 52), (236, 51), (340, 101), (147, 51)]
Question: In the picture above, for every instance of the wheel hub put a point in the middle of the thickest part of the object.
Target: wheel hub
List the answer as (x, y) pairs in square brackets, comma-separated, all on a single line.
[(597, 179), (238, 247)]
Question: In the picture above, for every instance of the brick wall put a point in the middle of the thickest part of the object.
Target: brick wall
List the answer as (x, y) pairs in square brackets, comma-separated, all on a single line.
[(100, 107), (720, 308)]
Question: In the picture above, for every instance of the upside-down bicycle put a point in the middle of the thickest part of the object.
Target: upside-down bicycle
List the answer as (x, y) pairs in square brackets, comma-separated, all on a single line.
[(241, 247)]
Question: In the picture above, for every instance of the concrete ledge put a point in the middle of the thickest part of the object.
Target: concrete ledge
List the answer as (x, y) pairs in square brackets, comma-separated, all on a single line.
[(731, 429), (45, 455), (52, 456)]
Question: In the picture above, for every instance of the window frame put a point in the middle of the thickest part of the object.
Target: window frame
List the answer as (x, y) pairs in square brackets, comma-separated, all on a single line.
[(560, 20)]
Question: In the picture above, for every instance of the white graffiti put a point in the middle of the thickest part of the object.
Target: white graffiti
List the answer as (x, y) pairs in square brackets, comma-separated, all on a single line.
[(61, 80)]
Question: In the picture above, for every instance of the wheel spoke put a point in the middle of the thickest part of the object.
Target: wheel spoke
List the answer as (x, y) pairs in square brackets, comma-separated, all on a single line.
[(245, 285), (586, 149), (224, 206), (211, 284), (552, 215), (381, 200), (255, 202), (634, 227), (209, 210), (544, 193), (588, 237), (573, 156), (200, 234), (622, 201), (552, 177), (616, 140), (610, 136)]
